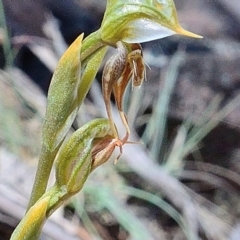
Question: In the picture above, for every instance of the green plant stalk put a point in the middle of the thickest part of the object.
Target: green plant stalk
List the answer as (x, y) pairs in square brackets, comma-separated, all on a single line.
[(60, 113), (91, 47), (90, 72), (44, 167), (91, 44)]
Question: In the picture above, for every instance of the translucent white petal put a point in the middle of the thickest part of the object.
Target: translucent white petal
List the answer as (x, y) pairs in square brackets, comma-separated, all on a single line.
[(144, 30)]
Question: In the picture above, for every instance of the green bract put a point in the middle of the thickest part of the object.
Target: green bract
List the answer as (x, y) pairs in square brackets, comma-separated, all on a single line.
[(62, 103), (31, 225), (74, 161)]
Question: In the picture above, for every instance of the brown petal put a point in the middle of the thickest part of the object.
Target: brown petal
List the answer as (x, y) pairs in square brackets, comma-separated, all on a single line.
[(112, 71)]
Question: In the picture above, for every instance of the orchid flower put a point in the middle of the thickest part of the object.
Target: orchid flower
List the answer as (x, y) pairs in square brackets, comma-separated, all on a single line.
[(125, 25), (127, 64)]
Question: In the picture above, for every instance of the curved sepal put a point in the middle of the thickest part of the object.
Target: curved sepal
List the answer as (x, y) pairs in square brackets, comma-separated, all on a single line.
[(139, 21)]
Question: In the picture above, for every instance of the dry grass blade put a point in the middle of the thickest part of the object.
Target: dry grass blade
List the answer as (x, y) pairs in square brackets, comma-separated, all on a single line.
[(216, 170)]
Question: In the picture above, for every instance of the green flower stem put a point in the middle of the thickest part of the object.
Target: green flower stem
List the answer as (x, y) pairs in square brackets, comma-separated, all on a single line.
[(60, 113), (90, 72), (91, 44), (46, 159), (44, 167), (58, 195)]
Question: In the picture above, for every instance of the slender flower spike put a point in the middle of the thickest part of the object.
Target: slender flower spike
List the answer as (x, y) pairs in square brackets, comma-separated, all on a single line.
[(136, 21), (125, 25)]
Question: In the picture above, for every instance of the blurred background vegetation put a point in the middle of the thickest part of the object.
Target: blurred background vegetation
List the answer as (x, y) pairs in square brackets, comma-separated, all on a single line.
[(182, 180)]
